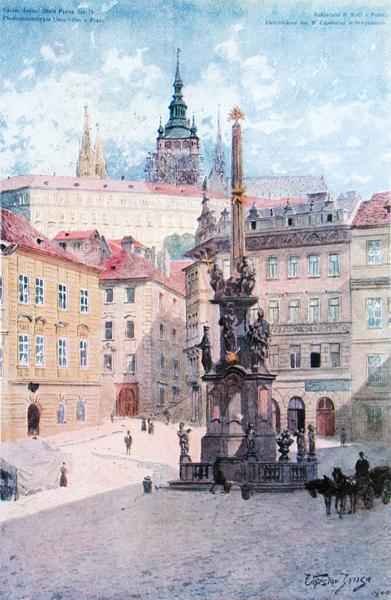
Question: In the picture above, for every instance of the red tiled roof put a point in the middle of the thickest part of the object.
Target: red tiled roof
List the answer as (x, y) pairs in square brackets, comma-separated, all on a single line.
[(76, 235), (15, 229), (176, 266), (136, 243), (374, 211), (99, 185), (123, 265)]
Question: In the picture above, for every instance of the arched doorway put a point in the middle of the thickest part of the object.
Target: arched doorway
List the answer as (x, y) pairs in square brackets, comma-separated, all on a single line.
[(33, 417), (276, 416), (127, 404), (296, 414), (325, 417)]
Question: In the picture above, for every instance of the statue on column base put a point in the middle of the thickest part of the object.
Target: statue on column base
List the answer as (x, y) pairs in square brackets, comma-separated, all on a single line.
[(251, 454), (311, 443), (300, 442), (284, 441), (205, 347), (184, 443)]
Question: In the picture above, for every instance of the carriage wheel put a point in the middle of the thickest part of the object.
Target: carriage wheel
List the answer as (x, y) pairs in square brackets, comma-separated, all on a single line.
[(369, 497), (386, 496)]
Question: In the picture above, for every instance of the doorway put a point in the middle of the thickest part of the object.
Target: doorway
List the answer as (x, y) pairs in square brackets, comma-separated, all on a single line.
[(296, 414), (325, 417), (127, 402), (33, 418)]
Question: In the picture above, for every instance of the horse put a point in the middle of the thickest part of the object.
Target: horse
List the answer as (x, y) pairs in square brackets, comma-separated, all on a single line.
[(346, 488), (325, 487)]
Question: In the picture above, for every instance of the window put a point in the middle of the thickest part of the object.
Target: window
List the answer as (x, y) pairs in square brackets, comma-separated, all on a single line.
[(274, 311), (109, 295), (334, 265), (131, 364), (174, 335), (61, 414), (39, 351), (272, 267), (161, 298), (314, 310), (335, 355), (294, 311), (62, 353), (376, 370), (375, 418), (293, 266), (62, 296), (23, 351), (39, 291), (162, 361), (129, 333), (80, 410), (274, 356), (161, 329), (295, 357), (175, 393), (374, 252), (315, 356), (313, 266), (84, 301), (129, 295), (108, 330), (334, 309), (108, 362), (83, 354), (374, 313), (162, 394), (23, 289), (175, 367)]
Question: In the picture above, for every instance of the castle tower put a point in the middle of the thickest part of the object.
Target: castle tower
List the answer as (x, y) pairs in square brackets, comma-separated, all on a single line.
[(177, 156), (100, 163), (216, 179), (86, 162)]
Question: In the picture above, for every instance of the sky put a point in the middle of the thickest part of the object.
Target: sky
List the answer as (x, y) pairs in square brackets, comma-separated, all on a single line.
[(315, 89)]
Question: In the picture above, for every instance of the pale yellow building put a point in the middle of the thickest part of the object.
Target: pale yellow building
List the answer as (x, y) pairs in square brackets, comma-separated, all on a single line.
[(371, 323), (50, 327)]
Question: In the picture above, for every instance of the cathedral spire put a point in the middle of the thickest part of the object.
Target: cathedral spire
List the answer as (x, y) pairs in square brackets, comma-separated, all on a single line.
[(86, 164), (217, 173), (100, 163), (177, 106)]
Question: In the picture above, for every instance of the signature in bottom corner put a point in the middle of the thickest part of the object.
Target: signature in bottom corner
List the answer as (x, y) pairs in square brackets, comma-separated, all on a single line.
[(338, 582)]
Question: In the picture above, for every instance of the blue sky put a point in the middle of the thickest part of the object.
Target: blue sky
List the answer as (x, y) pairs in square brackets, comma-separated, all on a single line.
[(316, 97)]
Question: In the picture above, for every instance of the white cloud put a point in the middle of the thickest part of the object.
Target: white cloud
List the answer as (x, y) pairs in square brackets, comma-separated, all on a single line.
[(27, 73), (353, 142), (57, 56), (360, 179), (132, 67), (327, 160), (276, 122), (329, 118)]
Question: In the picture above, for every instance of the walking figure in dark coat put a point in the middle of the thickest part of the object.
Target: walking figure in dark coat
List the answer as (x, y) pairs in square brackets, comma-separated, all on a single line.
[(343, 436), (151, 426), (362, 466), (63, 475), (128, 442), (143, 424)]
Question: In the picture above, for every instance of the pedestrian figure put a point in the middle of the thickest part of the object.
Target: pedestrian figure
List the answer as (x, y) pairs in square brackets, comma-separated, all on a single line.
[(143, 424), (167, 416), (151, 426), (112, 416), (362, 466), (219, 478), (63, 475), (343, 436), (128, 442)]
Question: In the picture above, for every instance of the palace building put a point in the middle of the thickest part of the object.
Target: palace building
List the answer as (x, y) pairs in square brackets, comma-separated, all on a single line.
[(49, 335), (177, 156)]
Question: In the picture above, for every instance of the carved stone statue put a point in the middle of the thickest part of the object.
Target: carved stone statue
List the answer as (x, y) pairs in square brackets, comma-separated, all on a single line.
[(231, 287), (246, 280), (217, 279), (284, 441), (227, 322), (205, 347), (311, 442), (300, 441), (184, 443), (262, 328), (250, 441)]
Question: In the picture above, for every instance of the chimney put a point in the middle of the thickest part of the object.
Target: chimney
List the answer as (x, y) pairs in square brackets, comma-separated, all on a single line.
[(127, 244)]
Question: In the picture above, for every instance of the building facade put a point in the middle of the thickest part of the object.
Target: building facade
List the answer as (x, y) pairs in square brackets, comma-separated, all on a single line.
[(371, 327), (50, 321), (301, 255), (150, 212), (177, 156), (142, 338)]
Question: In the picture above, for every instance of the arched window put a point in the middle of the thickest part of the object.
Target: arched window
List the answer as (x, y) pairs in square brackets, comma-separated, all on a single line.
[(81, 410)]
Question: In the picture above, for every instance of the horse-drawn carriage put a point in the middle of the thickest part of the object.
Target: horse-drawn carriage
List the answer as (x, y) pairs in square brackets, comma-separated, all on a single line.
[(375, 484)]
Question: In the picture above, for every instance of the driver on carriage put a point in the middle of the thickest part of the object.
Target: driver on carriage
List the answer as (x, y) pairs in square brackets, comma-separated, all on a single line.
[(362, 467)]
